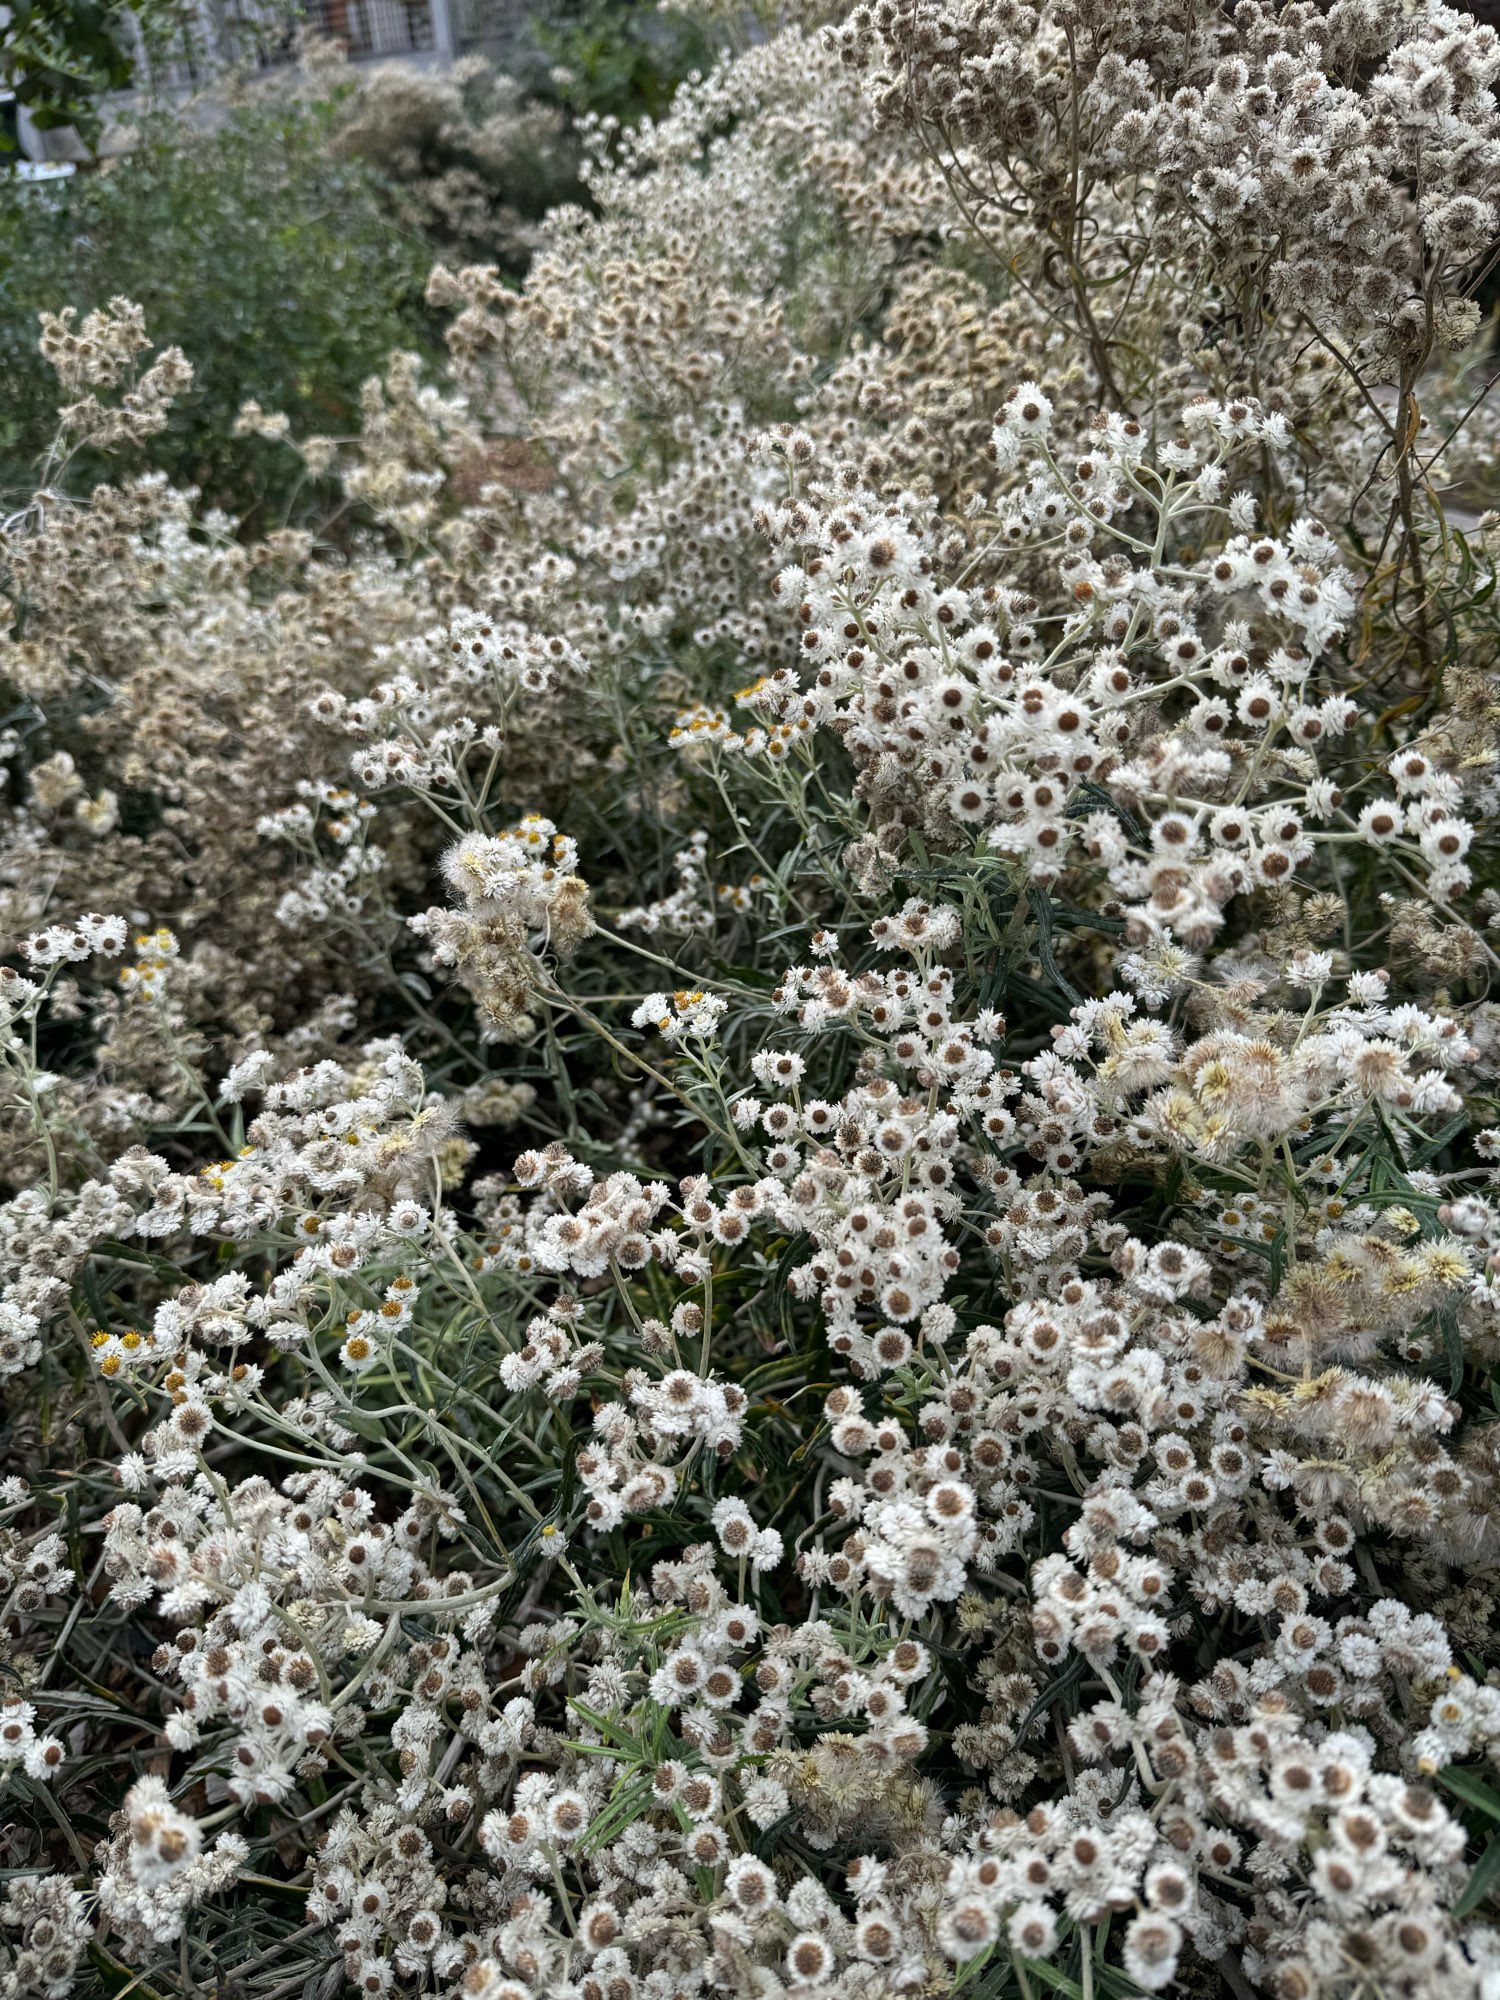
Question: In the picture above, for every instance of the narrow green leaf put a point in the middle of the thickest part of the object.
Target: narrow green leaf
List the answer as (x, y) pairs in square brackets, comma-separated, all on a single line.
[(1485, 1877), (1473, 1790)]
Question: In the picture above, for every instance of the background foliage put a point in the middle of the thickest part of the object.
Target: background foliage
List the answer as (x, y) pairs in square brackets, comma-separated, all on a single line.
[(280, 264)]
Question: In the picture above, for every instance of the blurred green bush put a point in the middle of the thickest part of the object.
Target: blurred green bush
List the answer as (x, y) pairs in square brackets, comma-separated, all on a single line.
[(286, 245), (615, 58), (277, 261)]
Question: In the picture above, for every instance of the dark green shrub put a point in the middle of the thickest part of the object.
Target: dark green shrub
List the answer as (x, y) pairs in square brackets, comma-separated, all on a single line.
[(279, 265), (614, 58)]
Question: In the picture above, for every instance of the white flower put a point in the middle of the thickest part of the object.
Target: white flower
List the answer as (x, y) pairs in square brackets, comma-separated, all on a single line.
[(1028, 410)]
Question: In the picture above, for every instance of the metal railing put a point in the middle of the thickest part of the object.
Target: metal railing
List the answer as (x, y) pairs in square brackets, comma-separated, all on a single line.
[(213, 37), (375, 27), (263, 34)]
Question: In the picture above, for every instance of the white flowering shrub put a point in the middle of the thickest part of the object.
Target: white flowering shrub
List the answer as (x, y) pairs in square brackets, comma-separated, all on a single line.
[(750, 1233)]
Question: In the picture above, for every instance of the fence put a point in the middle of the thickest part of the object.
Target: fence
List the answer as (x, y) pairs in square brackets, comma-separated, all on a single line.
[(215, 36), (261, 35)]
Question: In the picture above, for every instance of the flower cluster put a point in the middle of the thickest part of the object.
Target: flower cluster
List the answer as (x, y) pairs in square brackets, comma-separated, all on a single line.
[(750, 1219)]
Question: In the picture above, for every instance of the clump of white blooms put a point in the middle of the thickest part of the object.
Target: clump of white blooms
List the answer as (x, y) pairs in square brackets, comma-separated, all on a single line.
[(751, 1222)]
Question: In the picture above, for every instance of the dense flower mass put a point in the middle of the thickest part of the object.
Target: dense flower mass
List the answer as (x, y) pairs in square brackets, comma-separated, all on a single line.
[(751, 1217)]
